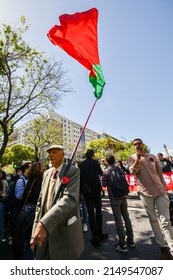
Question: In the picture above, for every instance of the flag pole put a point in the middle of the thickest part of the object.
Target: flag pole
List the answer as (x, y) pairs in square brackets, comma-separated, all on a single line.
[(166, 150), (61, 188), (82, 132)]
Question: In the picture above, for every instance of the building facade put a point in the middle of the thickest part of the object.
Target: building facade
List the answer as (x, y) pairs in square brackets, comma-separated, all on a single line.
[(71, 132)]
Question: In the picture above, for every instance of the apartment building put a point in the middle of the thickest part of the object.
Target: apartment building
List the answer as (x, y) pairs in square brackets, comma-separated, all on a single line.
[(71, 133)]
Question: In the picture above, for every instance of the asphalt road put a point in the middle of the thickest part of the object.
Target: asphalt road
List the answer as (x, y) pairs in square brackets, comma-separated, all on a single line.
[(146, 246)]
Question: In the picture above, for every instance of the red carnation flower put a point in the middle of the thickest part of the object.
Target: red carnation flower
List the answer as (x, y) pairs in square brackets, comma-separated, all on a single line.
[(151, 159), (65, 180)]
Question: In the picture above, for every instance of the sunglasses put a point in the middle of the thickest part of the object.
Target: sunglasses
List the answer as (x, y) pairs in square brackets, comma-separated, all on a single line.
[(139, 143)]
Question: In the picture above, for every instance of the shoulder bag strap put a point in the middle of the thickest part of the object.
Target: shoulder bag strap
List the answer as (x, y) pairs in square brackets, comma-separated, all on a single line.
[(29, 192)]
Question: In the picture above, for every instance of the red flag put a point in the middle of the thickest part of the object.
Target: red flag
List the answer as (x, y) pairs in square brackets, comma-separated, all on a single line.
[(77, 35)]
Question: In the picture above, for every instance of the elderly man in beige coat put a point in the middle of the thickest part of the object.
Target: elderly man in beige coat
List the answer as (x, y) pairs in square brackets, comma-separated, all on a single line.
[(57, 232)]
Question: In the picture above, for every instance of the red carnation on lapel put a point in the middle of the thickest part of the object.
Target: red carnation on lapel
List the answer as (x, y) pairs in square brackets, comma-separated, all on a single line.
[(65, 180), (151, 159)]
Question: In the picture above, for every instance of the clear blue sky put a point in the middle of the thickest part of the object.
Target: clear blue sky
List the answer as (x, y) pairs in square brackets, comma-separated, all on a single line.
[(136, 54)]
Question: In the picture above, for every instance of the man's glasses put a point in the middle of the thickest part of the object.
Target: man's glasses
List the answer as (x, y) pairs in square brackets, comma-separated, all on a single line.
[(138, 143)]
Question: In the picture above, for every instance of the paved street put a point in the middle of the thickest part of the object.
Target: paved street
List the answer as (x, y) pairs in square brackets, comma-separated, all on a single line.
[(146, 247)]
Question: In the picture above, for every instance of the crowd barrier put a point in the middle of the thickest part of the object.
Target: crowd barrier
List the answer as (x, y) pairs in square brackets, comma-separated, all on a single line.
[(168, 176), (131, 179)]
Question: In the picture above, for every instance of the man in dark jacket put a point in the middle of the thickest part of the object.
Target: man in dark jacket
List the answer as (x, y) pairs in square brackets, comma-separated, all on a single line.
[(165, 164), (90, 187)]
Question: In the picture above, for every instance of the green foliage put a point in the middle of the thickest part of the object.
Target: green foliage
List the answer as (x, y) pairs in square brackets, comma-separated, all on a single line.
[(29, 82), (6, 159), (121, 150), (43, 132), (8, 169), (17, 153), (103, 146)]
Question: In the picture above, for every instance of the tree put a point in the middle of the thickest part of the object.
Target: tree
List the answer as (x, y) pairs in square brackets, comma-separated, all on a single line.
[(43, 132), (16, 154), (29, 83), (121, 150), (127, 151), (104, 146)]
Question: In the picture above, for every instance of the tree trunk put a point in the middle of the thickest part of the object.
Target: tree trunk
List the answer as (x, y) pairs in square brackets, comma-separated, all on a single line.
[(36, 154), (5, 138)]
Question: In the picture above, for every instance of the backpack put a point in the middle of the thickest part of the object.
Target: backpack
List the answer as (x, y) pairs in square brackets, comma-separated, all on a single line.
[(11, 199), (119, 185)]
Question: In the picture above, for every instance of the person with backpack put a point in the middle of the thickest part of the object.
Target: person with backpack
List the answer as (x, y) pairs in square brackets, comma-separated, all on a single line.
[(118, 190)]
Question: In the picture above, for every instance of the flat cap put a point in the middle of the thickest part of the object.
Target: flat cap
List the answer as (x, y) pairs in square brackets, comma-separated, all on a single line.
[(55, 147)]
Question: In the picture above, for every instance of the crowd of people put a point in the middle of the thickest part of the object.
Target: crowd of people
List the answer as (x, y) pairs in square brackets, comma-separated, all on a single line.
[(63, 200)]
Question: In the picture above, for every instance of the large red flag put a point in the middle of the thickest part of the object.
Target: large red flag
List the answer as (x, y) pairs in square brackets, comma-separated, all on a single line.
[(77, 35)]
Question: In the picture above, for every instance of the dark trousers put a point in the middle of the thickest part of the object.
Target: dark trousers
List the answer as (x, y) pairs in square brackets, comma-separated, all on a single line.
[(94, 206), (121, 216), (17, 251)]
